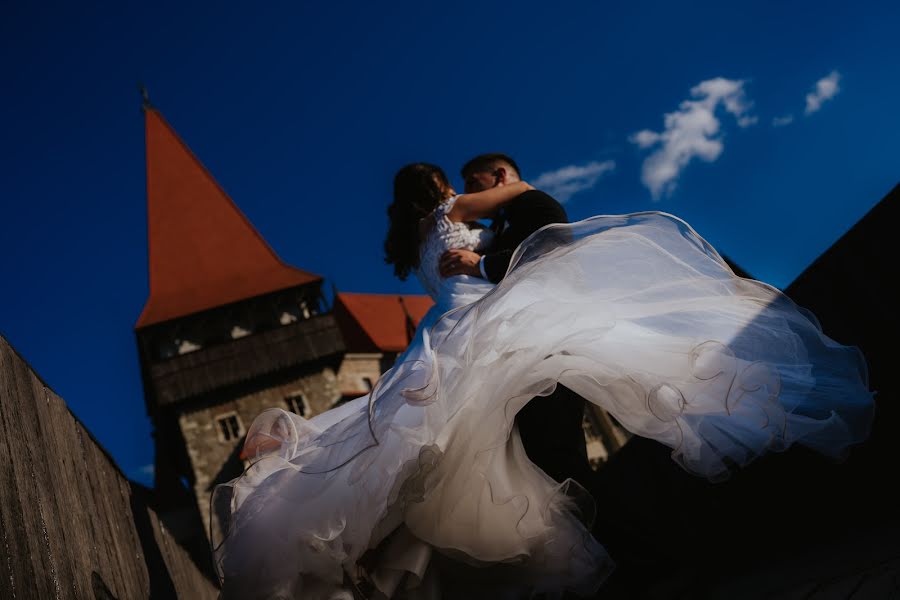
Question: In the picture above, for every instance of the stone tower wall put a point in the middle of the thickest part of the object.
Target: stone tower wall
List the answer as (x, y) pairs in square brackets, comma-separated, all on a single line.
[(214, 459)]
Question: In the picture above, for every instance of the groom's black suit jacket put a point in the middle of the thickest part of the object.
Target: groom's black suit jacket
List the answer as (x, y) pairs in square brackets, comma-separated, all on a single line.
[(550, 426), (524, 215)]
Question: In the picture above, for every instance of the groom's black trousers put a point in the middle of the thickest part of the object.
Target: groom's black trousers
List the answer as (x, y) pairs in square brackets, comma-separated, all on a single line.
[(550, 426), (552, 433)]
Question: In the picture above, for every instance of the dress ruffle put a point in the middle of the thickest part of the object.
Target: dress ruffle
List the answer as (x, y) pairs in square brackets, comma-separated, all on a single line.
[(637, 314)]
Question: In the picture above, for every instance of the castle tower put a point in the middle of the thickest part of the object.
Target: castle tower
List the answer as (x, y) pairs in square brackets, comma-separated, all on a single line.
[(227, 331)]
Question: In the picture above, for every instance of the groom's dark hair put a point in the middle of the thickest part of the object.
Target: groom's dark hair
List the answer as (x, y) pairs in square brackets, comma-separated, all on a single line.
[(486, 162)]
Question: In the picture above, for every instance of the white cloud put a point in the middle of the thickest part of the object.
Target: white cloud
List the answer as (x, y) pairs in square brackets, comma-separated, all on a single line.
[(691, 132), (826, 89), (143, 474), (645, 138), (782, 121), (564, 183)]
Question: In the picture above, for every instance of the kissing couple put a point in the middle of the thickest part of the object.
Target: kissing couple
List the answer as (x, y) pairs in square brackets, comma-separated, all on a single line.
[(463, 474)]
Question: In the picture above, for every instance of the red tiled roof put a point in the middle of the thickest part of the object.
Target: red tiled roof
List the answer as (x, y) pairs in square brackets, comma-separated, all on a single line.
[(203, 251), (379, 322)]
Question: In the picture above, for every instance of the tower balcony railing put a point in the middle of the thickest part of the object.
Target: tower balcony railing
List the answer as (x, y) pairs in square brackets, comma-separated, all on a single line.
[(213, 367)]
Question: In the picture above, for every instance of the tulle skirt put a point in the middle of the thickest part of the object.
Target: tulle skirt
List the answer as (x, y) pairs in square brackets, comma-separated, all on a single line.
[(423, 487)]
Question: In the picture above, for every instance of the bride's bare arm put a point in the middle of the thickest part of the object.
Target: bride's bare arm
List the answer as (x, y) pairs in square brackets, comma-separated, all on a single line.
[(480, 205)]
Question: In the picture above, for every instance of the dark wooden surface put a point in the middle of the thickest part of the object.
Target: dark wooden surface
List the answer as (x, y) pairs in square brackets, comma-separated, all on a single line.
[(71, 525), (850, 288), (790, 526)]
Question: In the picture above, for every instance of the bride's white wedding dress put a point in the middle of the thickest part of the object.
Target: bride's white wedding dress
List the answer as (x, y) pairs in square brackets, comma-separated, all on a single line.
[(426, 480)]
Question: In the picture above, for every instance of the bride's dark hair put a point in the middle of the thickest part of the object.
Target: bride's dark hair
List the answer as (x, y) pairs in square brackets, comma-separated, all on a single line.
[(418, 189)]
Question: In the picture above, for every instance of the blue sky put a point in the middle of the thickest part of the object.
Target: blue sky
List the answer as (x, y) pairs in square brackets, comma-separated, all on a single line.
[(303, 111)]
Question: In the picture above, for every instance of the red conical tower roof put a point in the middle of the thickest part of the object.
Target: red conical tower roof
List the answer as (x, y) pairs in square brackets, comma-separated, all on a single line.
[(203, 251)]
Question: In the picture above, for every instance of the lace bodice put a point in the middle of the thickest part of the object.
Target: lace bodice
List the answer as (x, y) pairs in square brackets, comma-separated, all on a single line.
[(444, 235)]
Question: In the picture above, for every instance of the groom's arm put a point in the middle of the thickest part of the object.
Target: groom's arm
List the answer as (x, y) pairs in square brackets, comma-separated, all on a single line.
[(495, 264), (460, 261), (526, 214)]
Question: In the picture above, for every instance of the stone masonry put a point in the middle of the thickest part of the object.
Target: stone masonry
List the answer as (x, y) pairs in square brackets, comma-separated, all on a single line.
[(213, 457)]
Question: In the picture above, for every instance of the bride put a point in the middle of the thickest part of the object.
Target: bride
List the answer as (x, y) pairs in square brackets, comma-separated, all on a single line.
[(423, 489)]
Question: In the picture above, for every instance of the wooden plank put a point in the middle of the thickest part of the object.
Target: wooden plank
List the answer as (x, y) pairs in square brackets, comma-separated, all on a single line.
[(188, 581), (67, 460), (24, 435), (54, 496), (67, 520), (17, 571)]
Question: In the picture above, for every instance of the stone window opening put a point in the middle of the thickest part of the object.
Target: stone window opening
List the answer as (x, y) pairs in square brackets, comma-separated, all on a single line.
[(167, 349), (238, 332), (229, 427), (287, 317), (296, 403), (186, 346)]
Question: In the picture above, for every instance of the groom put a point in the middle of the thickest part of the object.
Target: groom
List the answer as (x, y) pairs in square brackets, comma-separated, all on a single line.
[(550, 426)]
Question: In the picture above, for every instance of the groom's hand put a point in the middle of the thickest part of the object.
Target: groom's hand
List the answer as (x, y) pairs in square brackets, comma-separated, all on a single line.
[(460, 262)]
